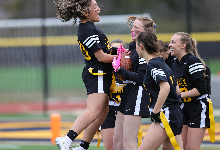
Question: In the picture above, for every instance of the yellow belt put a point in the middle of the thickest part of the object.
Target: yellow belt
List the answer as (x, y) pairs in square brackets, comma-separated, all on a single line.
[(211, 130), (99, 139), (139, 137), (169, 131), (90, 70)]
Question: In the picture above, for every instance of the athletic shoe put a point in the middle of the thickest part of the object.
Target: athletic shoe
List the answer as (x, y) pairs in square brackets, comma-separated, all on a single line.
[(78, 148), (62, 144)]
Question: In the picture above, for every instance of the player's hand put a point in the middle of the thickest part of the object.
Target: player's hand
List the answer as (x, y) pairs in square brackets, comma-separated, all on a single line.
[(127, 51), (116, 62), (155, 117)]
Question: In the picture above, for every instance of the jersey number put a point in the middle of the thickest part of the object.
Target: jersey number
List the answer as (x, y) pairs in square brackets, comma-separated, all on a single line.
[(182, 83), (171, 79), (84, 51)]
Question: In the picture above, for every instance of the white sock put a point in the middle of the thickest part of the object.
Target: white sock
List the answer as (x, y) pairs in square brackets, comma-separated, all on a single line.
[(68, 140)]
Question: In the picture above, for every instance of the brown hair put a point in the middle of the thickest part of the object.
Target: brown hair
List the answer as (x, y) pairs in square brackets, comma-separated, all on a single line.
[(149, 41), (147, 22), (118, 41), (163, 46), (191, 45), (68, 9)]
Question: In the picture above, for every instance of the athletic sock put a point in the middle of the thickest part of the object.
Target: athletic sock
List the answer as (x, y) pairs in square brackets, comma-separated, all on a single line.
[(72, 135), (84, 144)]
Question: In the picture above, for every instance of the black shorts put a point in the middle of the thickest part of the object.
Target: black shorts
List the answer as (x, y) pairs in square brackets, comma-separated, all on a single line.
[(97, 83), (196, 113), (135, 101), (174, 117), (111, 117)]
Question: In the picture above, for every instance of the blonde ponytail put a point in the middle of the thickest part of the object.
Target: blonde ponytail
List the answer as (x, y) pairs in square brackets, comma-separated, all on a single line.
[(195, 52)]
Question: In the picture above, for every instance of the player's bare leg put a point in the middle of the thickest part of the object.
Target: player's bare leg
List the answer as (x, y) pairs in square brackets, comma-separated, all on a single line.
[(107, 138), (194, 138), (96, 103), (131, 126), (168, 146), (91, 130), (153, 138), (118, 132), (184, 135)]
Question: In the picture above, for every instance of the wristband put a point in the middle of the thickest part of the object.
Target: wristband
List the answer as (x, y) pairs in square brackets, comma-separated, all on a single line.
[(155, 117)]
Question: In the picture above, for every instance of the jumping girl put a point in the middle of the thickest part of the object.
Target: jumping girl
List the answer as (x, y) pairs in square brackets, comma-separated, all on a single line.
[(97, 73)]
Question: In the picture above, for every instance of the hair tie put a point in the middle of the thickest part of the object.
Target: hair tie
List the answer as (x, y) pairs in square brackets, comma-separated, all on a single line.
[(155, 26)]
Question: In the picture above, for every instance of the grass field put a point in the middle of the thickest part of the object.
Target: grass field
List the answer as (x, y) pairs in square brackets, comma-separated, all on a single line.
[(60, 76), (25, 84), (213, 65)]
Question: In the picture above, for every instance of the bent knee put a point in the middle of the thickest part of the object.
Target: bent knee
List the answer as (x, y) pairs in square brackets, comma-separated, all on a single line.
[(92, 114)]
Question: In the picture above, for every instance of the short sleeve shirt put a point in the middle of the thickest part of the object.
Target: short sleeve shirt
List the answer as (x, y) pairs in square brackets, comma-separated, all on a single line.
[(158, 70), (91, 39), (186, 71)]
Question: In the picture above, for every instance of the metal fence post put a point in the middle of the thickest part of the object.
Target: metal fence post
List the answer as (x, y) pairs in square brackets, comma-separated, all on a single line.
[(44, 57), (188, 16)]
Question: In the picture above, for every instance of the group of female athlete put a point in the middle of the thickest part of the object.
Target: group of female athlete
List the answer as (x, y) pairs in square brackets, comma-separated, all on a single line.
[(168, 83)]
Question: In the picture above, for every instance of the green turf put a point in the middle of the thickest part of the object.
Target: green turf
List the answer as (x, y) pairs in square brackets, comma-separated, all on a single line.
[(213, 65), (31, 78), (66, 76), (60, 76), (26, 83)]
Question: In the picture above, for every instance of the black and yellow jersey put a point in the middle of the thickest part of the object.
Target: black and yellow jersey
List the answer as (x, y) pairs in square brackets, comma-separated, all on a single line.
[(170, 60), (91, 39), (139, 66), (116, 89), (158, 70), (186, 71)]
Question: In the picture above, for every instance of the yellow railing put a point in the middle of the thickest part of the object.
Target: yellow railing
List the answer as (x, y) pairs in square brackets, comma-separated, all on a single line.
[(72, 40)]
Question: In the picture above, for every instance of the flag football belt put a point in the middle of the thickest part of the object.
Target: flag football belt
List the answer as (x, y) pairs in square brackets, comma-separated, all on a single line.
[(97, 74), (169, 131), (211, 130)]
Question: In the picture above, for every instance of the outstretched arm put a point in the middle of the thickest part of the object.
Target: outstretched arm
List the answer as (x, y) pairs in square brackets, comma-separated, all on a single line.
[(104, 57), (132, 76)]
